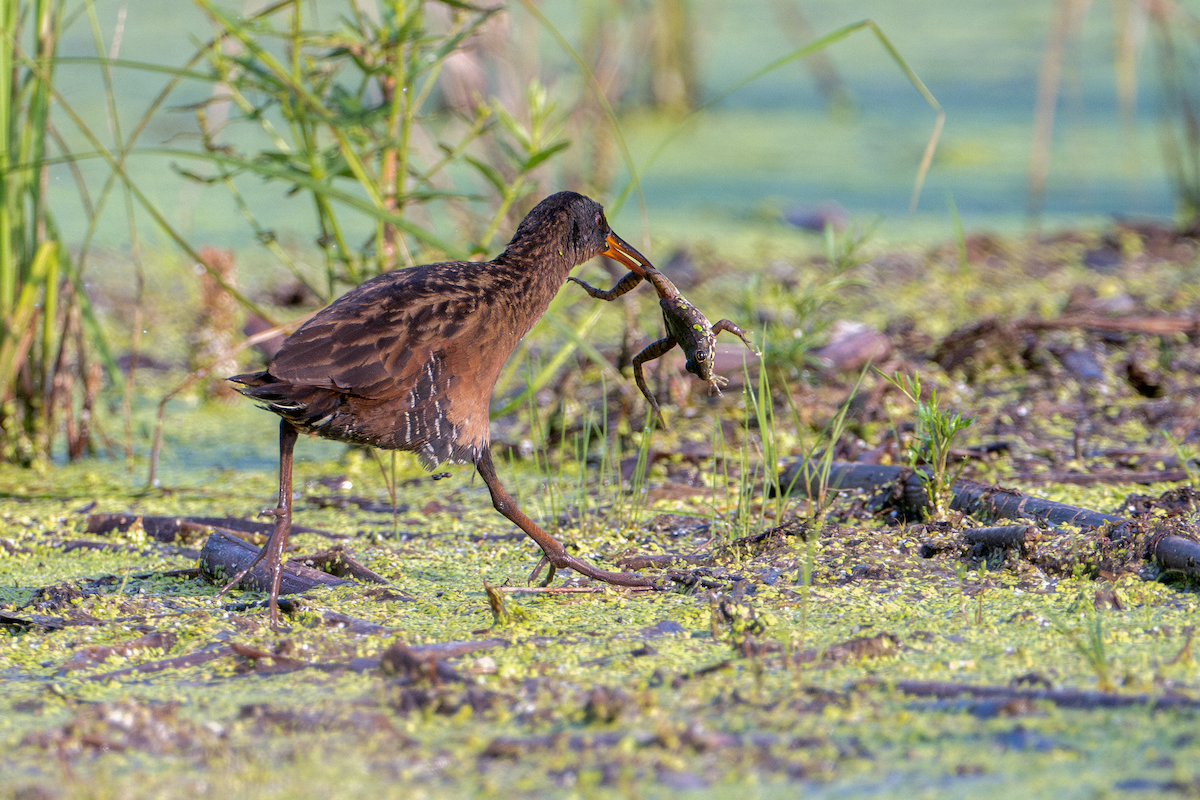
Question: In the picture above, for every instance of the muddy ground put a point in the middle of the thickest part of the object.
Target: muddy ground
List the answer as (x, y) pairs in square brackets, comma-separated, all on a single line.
[(870, 652)]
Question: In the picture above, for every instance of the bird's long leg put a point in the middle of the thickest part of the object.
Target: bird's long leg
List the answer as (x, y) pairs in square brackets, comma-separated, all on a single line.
[(624, 285), (555, 553), (272, 551), (653, 350), (726, 325)]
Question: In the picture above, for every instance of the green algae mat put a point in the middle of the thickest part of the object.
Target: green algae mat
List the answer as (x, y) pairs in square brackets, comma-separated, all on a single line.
[(852, 664)]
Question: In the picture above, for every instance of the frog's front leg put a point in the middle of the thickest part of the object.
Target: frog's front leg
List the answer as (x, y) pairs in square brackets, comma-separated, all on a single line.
[(624, 285), (653, 350), (726, 325), (716, 382)]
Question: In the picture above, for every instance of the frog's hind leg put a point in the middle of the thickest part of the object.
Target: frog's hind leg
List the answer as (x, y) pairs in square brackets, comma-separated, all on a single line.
[(626, 284), (726, 325), (653, 350)]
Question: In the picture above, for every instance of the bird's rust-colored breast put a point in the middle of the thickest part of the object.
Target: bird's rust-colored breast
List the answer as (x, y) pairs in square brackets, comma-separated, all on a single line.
[(408, 360)]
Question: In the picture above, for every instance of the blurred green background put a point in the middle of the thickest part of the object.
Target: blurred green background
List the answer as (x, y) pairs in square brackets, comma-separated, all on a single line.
[(773, 144)]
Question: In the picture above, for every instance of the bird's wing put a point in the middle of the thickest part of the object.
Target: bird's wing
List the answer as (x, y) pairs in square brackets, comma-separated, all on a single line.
[(382, 334)]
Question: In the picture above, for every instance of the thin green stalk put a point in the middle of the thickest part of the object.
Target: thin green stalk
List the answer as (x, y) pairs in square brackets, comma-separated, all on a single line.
[(33, 140), (1089, 644), (583, 439), (637, 485), (17, 334), (614, 124), (960, 237), (9, 31)]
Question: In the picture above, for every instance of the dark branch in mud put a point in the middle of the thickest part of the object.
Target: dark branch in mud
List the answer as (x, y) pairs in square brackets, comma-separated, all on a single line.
[(1064, 698), (970, 497), (1006, 537), (172, 529), (339, 562), (225, 555), (1177, 553)]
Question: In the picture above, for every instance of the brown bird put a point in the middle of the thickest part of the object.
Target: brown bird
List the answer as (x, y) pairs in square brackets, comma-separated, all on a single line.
[(408, 361)]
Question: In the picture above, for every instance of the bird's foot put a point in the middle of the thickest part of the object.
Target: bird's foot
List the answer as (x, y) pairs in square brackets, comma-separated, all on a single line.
[(272, 554), (595, 573), (542, 562)]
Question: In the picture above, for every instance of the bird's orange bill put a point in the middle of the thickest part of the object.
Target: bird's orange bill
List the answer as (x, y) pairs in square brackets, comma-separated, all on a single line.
[(620, 250)]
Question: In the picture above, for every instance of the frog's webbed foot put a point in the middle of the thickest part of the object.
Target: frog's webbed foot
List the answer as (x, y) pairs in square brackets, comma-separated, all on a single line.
[(726, 325), (624, 285), (653, 350), (716, 382)]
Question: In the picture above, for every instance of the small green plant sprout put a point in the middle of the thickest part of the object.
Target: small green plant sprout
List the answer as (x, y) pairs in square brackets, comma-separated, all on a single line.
[(931, 442), (685, 325), (745, 619), (1089, 641), (503, 612), (1187, 456)]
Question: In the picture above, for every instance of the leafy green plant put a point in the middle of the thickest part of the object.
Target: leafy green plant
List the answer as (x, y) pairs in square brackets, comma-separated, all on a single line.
[(348, 117), (1186, 454), (47, 377), (931, 442), (1088, 640)]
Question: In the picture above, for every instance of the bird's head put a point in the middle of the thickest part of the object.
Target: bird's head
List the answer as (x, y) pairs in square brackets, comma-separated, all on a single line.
[(576, 227)]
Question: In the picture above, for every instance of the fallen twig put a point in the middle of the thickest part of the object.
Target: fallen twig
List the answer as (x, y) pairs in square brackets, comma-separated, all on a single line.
[(643, 561), (178, 662), (556, 589), (1064, 698), (337, 561), (1116, 476)]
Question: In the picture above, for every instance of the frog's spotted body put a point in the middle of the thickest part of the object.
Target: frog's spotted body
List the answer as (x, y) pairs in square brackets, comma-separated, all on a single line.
[(686, 327)]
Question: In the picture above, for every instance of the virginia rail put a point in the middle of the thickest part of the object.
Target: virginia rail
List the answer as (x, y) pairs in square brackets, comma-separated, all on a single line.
[(408, 361)]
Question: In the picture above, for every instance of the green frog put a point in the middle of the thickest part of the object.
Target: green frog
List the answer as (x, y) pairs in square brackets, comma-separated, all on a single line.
[(686, 327)]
